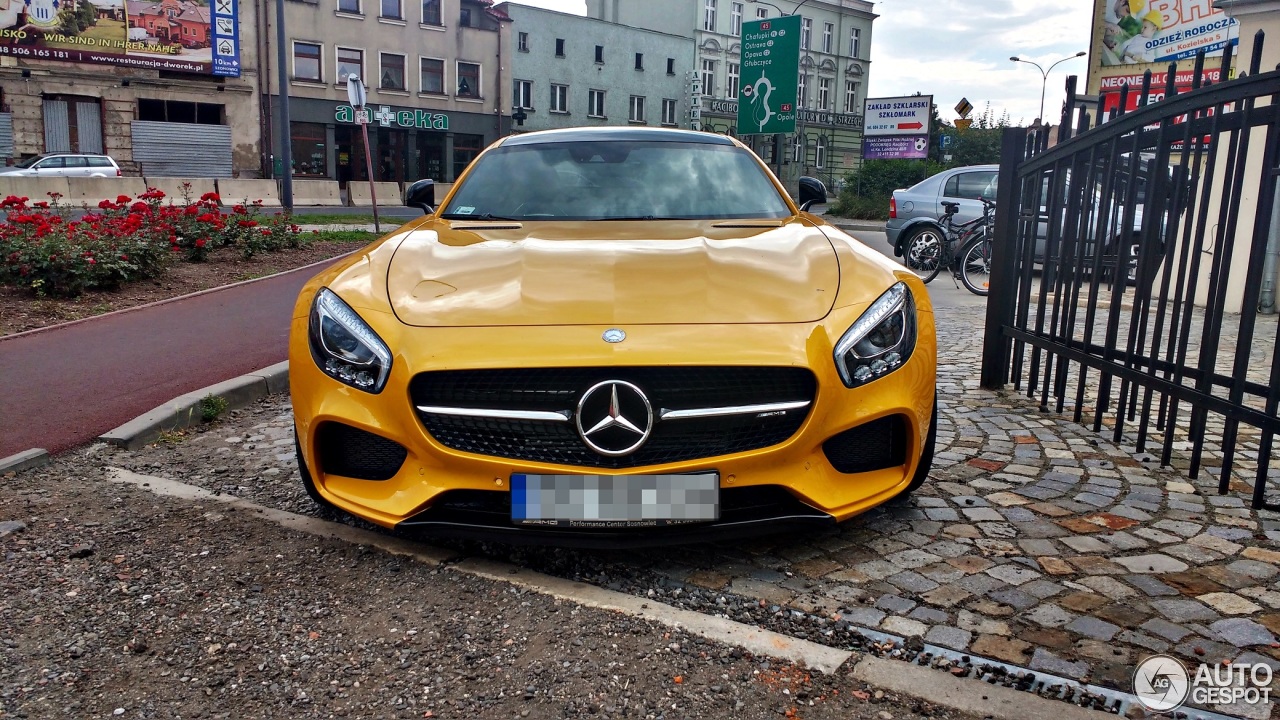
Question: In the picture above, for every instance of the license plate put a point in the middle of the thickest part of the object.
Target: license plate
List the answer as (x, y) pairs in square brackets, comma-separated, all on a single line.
[(614, 500)]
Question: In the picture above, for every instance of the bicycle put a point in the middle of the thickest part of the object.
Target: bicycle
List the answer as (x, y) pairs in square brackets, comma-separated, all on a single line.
[(971, 265)]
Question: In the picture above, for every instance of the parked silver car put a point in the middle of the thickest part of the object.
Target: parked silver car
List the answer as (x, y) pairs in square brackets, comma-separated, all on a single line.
[(919, 208), (65, 165)]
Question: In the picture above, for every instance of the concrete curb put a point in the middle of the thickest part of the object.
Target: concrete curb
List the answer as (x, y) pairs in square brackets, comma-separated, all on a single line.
[(856, 225), (933, 686), (966, 695), (25, 460), (184, 411)]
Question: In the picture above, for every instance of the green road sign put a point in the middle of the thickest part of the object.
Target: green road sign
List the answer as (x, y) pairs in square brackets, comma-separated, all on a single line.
[(770, 74)]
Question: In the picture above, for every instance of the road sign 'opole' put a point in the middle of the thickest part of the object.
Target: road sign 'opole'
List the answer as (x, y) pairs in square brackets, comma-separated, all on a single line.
[(770, 75)]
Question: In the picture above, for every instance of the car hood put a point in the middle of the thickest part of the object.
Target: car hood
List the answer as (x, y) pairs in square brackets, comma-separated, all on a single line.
[(473, 273)]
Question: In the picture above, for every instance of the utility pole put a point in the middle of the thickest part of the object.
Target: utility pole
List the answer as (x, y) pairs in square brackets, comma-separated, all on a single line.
[(286, 149)]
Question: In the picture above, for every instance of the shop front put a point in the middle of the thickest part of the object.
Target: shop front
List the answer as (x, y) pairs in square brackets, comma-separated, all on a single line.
[(405, 144)]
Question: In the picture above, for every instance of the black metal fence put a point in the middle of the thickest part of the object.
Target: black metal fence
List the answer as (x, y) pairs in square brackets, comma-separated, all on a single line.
[(1130, 259)]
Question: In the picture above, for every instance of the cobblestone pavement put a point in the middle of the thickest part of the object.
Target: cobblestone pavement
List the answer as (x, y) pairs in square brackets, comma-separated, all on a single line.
[(1038, 542)]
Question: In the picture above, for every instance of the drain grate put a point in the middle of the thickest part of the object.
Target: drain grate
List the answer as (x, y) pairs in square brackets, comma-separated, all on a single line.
[(1004, 674)]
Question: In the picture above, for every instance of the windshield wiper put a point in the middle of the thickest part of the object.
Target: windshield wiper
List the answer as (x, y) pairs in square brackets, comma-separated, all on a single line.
[(482, 217)]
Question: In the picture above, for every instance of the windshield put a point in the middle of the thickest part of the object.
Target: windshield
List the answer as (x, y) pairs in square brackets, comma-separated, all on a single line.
[(617, 180), (29, 162)]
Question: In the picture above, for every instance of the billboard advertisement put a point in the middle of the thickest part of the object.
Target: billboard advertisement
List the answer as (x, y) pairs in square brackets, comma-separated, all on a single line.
[(177, 35), (897, 128), (1140, 32)]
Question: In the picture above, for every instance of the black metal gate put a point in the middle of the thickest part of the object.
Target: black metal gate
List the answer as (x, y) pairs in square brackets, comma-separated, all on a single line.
[(1129, 264)]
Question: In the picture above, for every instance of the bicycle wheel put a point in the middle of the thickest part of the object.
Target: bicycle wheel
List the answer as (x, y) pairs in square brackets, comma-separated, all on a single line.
[(923, 253), (975, 265)]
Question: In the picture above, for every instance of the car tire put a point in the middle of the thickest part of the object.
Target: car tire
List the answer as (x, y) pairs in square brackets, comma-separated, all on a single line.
[(309, 484), (926, 454), (924, 242)]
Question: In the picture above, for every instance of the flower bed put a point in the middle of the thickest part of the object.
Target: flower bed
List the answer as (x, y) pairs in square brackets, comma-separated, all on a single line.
[(48, 251)]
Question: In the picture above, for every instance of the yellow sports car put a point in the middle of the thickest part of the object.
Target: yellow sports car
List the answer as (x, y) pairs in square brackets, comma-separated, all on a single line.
[(613, 336)]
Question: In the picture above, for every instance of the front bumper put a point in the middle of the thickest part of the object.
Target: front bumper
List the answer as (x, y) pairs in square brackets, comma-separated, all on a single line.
[(418, 495)]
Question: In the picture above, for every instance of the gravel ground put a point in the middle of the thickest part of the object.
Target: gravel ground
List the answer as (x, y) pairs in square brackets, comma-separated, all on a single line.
[(117, 603)]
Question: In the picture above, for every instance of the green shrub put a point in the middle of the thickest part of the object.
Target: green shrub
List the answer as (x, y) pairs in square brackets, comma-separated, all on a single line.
[(212, 406)]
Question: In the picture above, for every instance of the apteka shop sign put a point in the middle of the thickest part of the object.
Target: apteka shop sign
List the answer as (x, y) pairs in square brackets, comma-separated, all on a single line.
[(386, 117)]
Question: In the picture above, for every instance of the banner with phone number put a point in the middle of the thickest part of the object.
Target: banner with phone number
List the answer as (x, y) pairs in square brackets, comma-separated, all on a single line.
[(175, 35)]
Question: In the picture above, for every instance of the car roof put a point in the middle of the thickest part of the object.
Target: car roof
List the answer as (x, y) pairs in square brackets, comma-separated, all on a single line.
[(72, 154), (613, 134)]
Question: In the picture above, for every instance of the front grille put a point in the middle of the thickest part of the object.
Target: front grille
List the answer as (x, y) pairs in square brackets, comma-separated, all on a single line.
[(876, 445), (559, 389), (354, 453)]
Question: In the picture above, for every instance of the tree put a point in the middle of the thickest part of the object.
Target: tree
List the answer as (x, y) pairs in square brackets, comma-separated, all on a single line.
[(980, 143), (86, 15)]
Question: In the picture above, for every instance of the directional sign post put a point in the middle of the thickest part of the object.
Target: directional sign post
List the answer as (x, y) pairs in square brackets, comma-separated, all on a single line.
[(897, 128), (770, 74), (357, 94)]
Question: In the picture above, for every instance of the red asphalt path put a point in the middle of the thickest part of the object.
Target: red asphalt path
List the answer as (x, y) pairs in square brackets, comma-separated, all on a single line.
[(65, 385)]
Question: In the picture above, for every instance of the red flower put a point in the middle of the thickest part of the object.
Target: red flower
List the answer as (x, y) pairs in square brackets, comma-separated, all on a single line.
[(201, 242), (239, 209), (123, 199), (42, 205), (209, 197), (247, 223), (54, 195), (124, 257), (108, 205), (92, 261), (140, 207)]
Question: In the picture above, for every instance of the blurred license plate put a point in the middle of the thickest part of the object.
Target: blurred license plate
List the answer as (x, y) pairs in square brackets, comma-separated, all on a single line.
[(614, 500)]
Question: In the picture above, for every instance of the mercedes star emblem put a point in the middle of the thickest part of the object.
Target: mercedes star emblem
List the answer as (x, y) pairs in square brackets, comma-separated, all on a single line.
[(614, 418), (614, 335)]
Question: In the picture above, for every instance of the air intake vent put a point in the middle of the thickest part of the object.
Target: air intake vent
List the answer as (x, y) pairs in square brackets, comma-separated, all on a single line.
[(876, 445), (354, 453)]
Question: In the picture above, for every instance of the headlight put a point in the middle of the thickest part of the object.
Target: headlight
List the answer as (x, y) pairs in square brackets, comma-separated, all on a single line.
[(345, 347), (881, 340)]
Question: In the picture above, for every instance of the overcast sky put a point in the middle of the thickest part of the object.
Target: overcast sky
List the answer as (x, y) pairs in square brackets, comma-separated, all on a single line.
[(961, 49)]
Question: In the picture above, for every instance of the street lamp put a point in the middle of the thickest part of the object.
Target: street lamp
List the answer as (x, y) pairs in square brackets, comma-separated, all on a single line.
[(1044, 75)]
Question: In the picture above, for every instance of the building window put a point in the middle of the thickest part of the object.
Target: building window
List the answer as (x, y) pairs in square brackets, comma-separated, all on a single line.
[(708, 75), (179, 111), (464, 17), (671, 66), (731, 92), (820, 153), (637, 109), (668, 111), (350, 62), (559, 47), (306, 62), (523, 42), (828, 30), (431, 12), (559, 98), (600, 54), (349, 6), (390, 9), (735, 18), (709, 15), (639, 61), (824, 94), (851, 97), (391, 76), (595, 103), (855, 41), (465, 149), (797, 148), (762, 13), (306, 141), (431, 75), (802, 93), (806, 32), (522, 96), (469, 80)]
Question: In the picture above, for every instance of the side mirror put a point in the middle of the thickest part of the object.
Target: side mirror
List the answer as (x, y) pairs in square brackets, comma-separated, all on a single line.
[(812, 191), (421, 194), (808, 204)]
